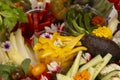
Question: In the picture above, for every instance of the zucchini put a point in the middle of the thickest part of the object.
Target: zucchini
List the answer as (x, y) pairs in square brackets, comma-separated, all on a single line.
[(92, 63), (109, 75), (73, 70), (100, 66), (91, 70), (63, 77)]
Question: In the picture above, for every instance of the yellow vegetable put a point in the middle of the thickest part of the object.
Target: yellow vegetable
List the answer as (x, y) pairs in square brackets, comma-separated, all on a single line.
[(77, 49), (61, 49), (103, 32), (73, 42)]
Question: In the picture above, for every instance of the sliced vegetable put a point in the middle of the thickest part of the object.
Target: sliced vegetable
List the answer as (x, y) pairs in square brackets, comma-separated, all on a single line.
[(63, 77), (74, 68), (99, 67), (91, 63)]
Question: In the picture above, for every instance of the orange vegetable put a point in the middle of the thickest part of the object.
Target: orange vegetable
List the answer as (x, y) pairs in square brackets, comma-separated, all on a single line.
[(98, 20), (84, 75), (38, 69)]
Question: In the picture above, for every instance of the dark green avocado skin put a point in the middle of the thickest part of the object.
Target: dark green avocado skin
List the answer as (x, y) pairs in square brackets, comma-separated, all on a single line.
[(97, 45)]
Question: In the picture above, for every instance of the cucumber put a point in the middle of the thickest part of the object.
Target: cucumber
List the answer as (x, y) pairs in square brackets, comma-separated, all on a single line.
[(63, 77), (91, 70), (73, 70), (100, 66), (92, 63), (109, 75), (82, 61)]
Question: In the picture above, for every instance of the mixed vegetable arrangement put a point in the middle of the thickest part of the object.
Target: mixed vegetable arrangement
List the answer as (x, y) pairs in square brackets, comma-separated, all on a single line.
[(59, 40)]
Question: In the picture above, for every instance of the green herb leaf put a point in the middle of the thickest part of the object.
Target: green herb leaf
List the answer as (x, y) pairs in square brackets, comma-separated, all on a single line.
[(6, 70), (25, 65), (22, 16)]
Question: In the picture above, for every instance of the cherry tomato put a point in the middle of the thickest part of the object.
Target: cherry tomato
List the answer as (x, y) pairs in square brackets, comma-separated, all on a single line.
[(38, 69), (112, 1), (45, 76), (117, 5)]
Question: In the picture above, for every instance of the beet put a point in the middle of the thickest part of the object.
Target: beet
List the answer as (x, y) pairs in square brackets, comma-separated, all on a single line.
[(97, 45)]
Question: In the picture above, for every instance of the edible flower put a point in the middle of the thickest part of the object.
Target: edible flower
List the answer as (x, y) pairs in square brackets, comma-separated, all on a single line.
[(6, 46), (103, 32), (46, 35), (84, 75), (53, 67), (55, 28), (98, 20)]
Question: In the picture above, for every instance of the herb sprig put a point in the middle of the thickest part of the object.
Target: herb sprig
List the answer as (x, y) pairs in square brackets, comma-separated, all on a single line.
[(10, 15)]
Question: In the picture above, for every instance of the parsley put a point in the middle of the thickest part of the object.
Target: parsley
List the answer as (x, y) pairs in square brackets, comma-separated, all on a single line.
[(10, 15)]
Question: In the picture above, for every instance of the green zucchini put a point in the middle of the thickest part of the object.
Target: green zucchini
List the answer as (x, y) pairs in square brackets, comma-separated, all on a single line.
[(73, 70), (96, 60), (100, 66)]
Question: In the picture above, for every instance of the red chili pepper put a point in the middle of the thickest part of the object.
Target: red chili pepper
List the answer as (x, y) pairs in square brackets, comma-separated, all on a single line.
[(112, 1), (42, 25), (49, 17), (35, 21), (117, 5), (30, 20)]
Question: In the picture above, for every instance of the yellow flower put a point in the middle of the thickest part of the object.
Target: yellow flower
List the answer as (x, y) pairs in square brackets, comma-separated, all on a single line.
[(103, 32)]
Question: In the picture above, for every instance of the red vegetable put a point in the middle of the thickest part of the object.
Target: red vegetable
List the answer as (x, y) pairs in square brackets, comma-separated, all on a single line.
[(117, 5), (112, 1), (45, 76), (37, 20)]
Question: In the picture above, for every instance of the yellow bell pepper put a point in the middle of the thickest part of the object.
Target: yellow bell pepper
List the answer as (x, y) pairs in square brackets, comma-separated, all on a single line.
[(73, 42)]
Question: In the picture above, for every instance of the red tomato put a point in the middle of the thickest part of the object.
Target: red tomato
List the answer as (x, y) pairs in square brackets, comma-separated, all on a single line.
[(45, 75), (117, 5), (112, 1)]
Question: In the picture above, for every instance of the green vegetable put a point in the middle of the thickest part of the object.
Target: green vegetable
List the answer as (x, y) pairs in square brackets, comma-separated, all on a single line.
[(91, 63), (78, 20), (74, 68), (78, 28), (103, 7), (62, 77), (9, 16), (6, 70), (87, 21), (25, 65), (99, 67)]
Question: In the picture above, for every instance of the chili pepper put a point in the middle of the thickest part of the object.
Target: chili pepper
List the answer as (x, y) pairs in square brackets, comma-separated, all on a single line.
[(117, 5), (112, 1), (42, 25), (36, 22), (87, 20)]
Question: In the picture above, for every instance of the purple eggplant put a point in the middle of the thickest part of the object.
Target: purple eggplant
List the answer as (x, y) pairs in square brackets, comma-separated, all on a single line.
[(97, 45)]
